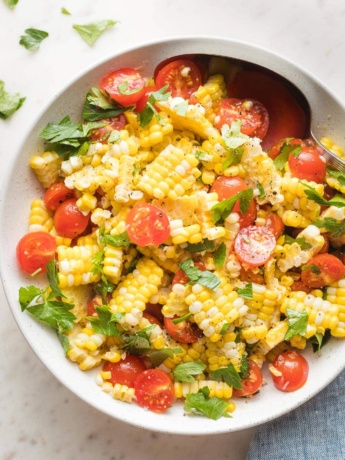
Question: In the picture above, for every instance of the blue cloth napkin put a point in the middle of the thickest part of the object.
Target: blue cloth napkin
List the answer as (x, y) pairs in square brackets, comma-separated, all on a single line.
[(314, 431)]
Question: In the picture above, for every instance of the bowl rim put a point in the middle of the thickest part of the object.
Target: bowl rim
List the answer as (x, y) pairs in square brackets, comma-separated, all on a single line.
[(206, 429)]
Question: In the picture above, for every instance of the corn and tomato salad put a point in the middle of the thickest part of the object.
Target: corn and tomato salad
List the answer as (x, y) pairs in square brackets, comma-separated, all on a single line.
[(190, 233)]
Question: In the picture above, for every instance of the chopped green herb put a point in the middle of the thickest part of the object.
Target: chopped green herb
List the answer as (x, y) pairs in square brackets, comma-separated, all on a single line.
[(11, 3), (222, 210), (234, 158), (157, 357), (246, 292), (319, 340), (133, 263), (244, 368), (138, 343), (114, 136), (200, 155), (301, 241), (97, 263), (9, 103), (33, 38), (181, 319), (117, 241), (338, 201), (91, 32), (298, 322), (204, 245), (181, 109), (314, 268), (205, 278), (262, 193), (64, 11), (285, 151), (104, 324), (331, 225), (123, 89), (224, 328), (233, 137), (338, 175), (53, 279), (184, 372), (220, 254), (103, 287), (229, 375), (201, 404), (64, 341), (149, 111)]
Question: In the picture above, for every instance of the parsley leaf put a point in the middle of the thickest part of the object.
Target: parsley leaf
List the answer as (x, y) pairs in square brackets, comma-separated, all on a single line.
[(337, 201), (132, 264), (244, 368), (158, 357), (114, 136), (234, 158), (117, 241), (205, 278), (301, 241), (285, 151), (27, 295), (262, 193), (233, 137), (103, 287), (138, 343), (181, 108), (219, 255), (184, 372), (9, 103), (338, 175), (149, 111), (53, 279), (319, 340), (64, 11), (64, 341), (229, 375), (91, 32), (97, 106), (246, 292), (33, 38), (331, 225), (204, 245), (97, 262), (298, 322), (11, 3), (200, 404), (104, 324), (223, 209)]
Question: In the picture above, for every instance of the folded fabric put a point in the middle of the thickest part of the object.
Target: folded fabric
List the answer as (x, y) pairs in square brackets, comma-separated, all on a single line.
[(316, 430)]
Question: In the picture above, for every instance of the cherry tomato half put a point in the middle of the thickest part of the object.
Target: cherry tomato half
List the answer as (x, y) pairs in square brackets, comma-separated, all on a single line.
[(182, 76), (308, 165), (113, 124), (181, 277), (125, 371), (154, 390), (254, 245), (322, 270), (183, 332), (57, 194), (294, 371), (227, 187), (251, 113), (147, 224), (126, 86), (275, 224), (151, 318), (155, 309), (287, 117), (252, 383), (35, 250), (68, 220), (300, 286)]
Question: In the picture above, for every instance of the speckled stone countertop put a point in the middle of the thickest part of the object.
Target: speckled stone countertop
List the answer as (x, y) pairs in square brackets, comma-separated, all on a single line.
[(39, 418)]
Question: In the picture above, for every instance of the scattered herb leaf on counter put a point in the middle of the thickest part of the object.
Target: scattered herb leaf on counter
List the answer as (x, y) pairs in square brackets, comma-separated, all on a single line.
[(64, 11), (9, 103), (33, 38), (11, 3), (298, 322), (184, 372), (201, 404), (91, 32)]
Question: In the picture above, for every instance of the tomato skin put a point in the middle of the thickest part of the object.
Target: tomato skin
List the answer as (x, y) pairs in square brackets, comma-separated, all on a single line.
[(141, 104), (68, 220), (189, 57), (154, 390), (275, 224), (147, 224), (155, 309), (330, 267), (181, 277), (125, 371), (308, 165), (275, 149), (152, 319), (227, 187), (57, 194), (249, 277), (254, 245), (113, 124), (181, 81), (183, 332), (111, 82), (35, 250), (294, 369), (252, 114), (287, 117), (252, 383)]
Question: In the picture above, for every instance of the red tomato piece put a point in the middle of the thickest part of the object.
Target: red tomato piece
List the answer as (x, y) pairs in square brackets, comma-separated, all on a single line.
[(167, 61), (294, 371), (183, 332), (308, 165), (252, 383), (227, 187), (249, 277), (254, 245), (155, 309), (57, 194), (275, 224), (147, 224), (251, 113), (322, 270), (126, 86), (182, 76), (125, 371), (151, 318), (275, 150), (300, 286), (154, 390), (68, 220), (113, 124), (35, 250), (141, 104), (95, 302), (181, 277), (287, 117)]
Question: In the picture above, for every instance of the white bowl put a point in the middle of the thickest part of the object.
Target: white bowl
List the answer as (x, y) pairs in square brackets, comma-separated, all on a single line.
[(21, 187)]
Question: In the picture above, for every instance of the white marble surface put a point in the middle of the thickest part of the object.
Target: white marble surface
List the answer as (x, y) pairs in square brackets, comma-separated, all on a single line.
[(38, 417)]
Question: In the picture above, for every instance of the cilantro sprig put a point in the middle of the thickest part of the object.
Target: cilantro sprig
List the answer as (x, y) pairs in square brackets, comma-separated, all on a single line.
[(205, 278), (149, 111), (223, 209), (200, 403), (297, 321)]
